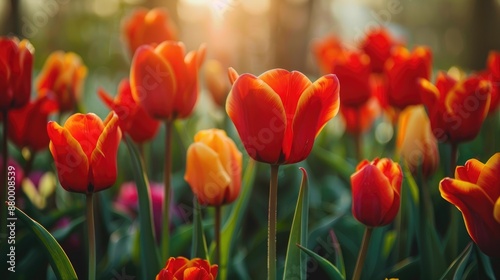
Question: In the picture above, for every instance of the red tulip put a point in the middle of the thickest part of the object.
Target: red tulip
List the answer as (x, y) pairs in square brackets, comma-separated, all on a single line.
[(403, 70), (279, 113), (378, 44), (16, 64), (28, 125), (456, 108), (62, 75), (475, 191), (415, 141), (326, 51), (359, 120), (134, 120), (151, 27), (492, 73), (165, 82), (181, 268), (84, 150), (213, 168), (376, 188)]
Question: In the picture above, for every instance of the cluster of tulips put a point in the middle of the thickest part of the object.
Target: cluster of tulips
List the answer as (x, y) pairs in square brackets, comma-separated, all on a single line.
[(277, 115)]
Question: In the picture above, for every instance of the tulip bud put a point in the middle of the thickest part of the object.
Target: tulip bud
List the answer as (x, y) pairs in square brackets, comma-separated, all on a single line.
[(182, 268)]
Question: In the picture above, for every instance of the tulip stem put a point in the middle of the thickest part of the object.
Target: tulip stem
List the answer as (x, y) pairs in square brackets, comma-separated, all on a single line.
[(217, 235), (454, 214), (3, 192), (165, 236), (91, 236), (358, 140), (271, 234), (362, 253)]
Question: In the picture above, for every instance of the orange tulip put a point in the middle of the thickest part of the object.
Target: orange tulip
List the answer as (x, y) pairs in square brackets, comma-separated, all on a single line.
[(214, 168), (359, 120), (16, 64), (216, 80), (456, 108), (376, 188), (134, 120), (28, 125), (84, 150), (415, 141), (145, 27), (326, 51), (181, 268), (378, 44), (279, 113), (475, 191), (63, 74), (403, 70), (165, 82)]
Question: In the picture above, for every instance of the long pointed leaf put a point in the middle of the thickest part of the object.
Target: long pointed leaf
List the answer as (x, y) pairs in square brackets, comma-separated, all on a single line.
[(150, 257), (234, 221), (328, 267), (339, 258), (457, 268), (57, 257), (298, 234)]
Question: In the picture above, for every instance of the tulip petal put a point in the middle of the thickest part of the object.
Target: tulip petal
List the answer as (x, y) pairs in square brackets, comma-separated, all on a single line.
[(317, 105), (103, 159), (71, 162), (261, 128), (232, 74), (490, 177), (477, 210), (470, 171), (373, 196), (496, 210), (206, 175), (153, 83), (186, 100), (85, 129)]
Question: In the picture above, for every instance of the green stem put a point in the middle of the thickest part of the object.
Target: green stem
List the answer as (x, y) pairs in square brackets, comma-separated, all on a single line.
[(362, 253), (91, 236), (453, 159), (3, 192), (271, 234), (165, 236), (358, 140), (217, 234)]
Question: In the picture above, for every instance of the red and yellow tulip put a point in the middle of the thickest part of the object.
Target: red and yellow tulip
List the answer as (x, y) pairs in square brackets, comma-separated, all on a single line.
[(279, 113), (84, 151), (475, 191), (16, 65), (376, 188), (181, 268), (165, 81), (63, 75), (214, 168), (378, 44), (134, 120)]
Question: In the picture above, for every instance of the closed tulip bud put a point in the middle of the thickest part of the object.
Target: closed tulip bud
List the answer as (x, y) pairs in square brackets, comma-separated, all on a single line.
[(376, 188), (475, 191), (84, 151), (214, 168), (415, 141), (182, 268), (378, 44)]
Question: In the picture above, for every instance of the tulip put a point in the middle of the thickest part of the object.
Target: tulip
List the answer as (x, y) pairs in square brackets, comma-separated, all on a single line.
[(63, 74), (133, 119), (456, 108), (28, 125), (403, 70), (415, 141), (84, 150), (326, 51), (359, 120), (279, 113), (145, 27), (182, 268), (214, 168), (16, 63), (164, 82), (475, 191), (376, 188), (492, 73), (216, 80), (378, 44)]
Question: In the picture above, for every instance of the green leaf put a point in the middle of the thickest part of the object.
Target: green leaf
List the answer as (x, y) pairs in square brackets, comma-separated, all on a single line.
[(484, 263), (150, 257), (339, 258), (458, 266), (335, 162), (405, 269), (328, 267), (298, 234), (233, 223), (57, 257), (199, 247)]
